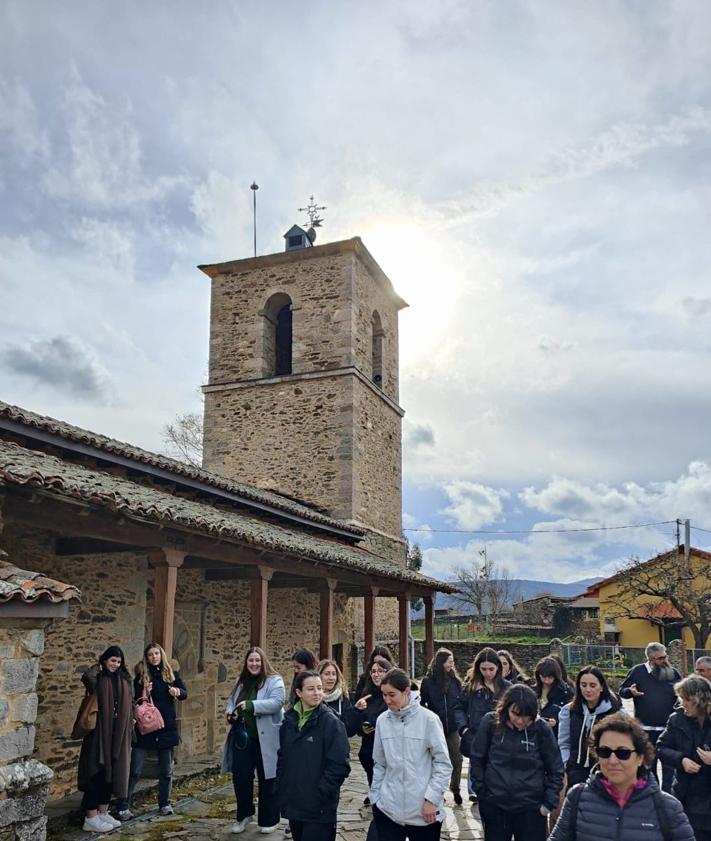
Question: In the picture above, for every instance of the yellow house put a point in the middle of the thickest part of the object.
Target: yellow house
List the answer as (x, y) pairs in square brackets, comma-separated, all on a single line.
[(658, 600)]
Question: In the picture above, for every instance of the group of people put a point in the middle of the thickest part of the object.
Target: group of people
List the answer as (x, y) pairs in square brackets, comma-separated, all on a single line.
[(534, 745), (113, 752)]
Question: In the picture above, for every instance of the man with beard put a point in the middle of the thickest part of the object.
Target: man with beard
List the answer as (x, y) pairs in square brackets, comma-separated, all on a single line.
[(651, 686), (703, 667)]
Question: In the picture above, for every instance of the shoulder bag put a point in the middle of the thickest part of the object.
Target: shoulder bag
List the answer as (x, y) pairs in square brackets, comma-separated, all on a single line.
[(148, 717)]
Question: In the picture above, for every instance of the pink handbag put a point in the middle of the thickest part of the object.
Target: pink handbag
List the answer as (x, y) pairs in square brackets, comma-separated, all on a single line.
[(148, 717)]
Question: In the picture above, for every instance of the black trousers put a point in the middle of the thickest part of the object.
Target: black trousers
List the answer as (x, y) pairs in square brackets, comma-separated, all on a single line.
[(667, 770), (368, 764), (98, 793), (312, 831), (244, 764), (529, 825), (165, 775), (390, 831)]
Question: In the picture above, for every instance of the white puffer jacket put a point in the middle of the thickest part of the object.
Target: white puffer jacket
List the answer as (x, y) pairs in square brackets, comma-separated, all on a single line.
[(411, 764)]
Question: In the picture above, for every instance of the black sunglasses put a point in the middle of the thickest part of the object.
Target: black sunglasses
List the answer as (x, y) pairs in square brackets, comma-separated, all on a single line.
[(623, 754)]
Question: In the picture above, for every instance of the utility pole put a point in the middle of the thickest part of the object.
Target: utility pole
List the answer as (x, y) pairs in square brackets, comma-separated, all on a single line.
[(687, 539)]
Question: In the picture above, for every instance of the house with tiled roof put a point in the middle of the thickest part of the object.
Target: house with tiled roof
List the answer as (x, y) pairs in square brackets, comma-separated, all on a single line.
[(288, 536)]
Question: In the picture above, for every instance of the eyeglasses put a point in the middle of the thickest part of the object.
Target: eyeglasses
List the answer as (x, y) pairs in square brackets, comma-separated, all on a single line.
[(623, 754)]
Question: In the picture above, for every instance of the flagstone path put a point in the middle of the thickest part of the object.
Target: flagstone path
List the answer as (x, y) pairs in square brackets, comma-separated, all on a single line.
[(208, 816)]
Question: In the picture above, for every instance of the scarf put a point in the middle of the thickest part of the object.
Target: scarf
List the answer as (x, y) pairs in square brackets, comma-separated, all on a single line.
[(333, 696)]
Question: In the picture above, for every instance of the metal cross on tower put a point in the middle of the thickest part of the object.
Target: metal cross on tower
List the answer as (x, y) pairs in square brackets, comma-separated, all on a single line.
[(312, 210)]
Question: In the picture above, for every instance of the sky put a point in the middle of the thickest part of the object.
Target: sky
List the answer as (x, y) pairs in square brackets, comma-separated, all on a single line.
[(534, 177)]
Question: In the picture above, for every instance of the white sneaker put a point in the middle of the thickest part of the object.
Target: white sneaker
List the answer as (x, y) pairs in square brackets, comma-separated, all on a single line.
[(95, 824), (108, 819), (267, 830), (240, 826)]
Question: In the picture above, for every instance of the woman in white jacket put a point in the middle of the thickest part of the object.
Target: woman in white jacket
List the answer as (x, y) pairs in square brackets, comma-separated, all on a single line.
[(412, 768), (255, 711)]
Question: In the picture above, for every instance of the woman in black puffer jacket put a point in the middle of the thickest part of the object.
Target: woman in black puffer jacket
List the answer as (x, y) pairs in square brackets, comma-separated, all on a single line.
[(155, 674), (439, 691), (684, 746), (622, 800)]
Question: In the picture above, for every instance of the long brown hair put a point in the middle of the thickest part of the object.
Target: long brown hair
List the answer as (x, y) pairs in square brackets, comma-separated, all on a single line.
[(437, 671), (266, 669), (144, 668), (474, 679)]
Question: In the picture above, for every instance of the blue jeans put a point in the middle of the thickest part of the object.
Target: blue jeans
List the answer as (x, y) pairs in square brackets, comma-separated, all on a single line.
[(165, 775)]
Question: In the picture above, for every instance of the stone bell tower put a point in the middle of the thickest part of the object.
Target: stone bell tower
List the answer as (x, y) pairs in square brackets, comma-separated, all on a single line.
[(302, 395)]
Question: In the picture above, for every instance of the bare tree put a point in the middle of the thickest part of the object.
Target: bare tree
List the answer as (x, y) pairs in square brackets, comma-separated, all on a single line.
[(648, 589), (485, 587), (183, 438)]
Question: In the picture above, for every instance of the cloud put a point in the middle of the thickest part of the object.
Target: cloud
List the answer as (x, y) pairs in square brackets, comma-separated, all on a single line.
[(696, 307), (98, 158), (21, 134), (62, 362), (473, 505), (419, 434)]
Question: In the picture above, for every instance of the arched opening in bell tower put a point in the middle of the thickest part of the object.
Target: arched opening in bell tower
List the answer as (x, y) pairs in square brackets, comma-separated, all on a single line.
[(378, 336), (278, 335)]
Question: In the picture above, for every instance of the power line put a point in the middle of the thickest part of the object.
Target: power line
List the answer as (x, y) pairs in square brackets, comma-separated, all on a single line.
[(546, 531), (698, 528)]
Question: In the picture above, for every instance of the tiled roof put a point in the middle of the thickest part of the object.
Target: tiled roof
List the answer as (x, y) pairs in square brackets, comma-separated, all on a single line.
[(25, 586), (144, 457), (21, 466)]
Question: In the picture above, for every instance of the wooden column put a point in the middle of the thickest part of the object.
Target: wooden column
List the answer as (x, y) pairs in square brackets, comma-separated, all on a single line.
[(326, 624), (429, 628), (166, 562), (260, 590), (369, 624), (404, 625)]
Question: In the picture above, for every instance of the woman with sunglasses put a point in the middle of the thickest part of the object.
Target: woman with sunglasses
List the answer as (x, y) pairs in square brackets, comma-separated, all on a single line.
[(685, 745), (592, 702), (365, 713), (622, 799)]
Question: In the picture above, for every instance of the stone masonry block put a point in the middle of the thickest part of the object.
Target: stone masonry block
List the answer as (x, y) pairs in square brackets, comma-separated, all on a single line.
[(19, 675), (22, 809), (4, 710), (17, 744), (21, 776), (35, 830), (24, 708), (33, 641)]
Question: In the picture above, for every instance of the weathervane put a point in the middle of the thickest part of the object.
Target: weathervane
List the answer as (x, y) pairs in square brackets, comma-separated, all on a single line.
[(312, 210)]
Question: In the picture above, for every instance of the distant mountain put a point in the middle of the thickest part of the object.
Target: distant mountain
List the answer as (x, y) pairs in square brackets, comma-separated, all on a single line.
[(524, 588)]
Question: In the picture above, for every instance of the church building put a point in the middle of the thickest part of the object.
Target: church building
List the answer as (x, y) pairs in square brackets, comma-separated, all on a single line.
[(289, 536)]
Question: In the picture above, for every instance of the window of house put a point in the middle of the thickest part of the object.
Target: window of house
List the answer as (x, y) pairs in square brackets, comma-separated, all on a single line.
[(377, 349)]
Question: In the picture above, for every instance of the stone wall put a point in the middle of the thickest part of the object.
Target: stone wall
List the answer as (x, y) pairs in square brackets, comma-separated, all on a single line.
[(211, 637), (23, 780), (291, 436)]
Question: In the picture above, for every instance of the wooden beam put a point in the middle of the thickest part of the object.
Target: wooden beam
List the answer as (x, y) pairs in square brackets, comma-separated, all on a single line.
[(166, 562), (429, 629), (369, 624), (67, 546), (326, 620), (404, 627), (258, 619)]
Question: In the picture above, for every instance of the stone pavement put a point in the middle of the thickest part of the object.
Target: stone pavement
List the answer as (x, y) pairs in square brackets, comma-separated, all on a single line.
[(207, 816)]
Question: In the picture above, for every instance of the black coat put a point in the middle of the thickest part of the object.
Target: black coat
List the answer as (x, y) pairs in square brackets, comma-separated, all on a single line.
[(166, 737), (516, 770), (344, 710), (311, 766), (357, 718), (599, 816), (680, 739), (558, 696), (434, 698), (657, 704), (471, 709)]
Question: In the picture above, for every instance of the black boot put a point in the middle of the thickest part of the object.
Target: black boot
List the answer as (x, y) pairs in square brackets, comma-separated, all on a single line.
[(457, 797)]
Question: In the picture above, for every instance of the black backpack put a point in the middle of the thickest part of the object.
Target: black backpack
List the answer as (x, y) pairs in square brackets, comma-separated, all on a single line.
[(576, 792)]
